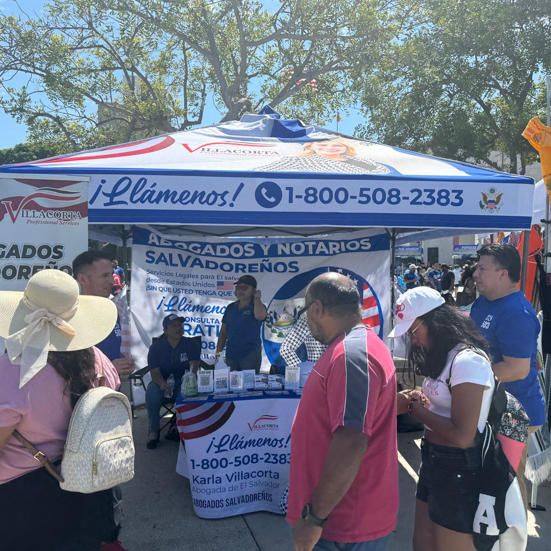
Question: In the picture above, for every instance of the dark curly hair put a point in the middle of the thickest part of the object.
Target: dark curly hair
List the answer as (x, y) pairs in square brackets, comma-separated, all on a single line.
[(77, 368), (446, 328)]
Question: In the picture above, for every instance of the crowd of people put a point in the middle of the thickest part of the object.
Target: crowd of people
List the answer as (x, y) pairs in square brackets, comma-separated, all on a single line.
[(343, 485), (63, 332), (456, 284)]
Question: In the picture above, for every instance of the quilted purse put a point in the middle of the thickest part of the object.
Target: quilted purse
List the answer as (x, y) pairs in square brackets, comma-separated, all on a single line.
[(99, 451)]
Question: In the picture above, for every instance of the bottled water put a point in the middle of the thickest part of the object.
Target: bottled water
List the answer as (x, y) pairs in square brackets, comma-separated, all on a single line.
[(170, 382)]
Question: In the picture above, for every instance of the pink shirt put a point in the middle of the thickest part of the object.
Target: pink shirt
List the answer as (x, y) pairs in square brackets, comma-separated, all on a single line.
[(352, 385), (41, 410)]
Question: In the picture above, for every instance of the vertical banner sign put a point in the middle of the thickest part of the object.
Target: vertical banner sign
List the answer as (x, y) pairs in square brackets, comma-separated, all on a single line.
[(43, 225), (194, 277), (238, 454)]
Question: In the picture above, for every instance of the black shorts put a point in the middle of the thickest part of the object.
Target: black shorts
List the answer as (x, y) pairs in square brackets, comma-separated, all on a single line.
[(37, 515), (448, 484)]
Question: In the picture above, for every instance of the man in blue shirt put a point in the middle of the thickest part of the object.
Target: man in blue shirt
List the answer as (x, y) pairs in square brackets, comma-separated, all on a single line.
[(411, 279), (172, 354), (509, 322), (118, 270), (241, 327), (434, 276), (94, 273)]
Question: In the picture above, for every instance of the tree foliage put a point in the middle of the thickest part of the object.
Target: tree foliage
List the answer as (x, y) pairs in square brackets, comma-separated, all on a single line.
[(109, 71), (464, 82), (26, 152)]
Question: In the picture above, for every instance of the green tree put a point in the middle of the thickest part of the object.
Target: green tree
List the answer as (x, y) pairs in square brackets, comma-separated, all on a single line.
[(464, 82), (25, 152), (105, 72)]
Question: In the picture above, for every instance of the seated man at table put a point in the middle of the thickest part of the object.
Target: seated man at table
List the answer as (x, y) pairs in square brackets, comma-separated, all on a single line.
[(241, 327), (172, 354)]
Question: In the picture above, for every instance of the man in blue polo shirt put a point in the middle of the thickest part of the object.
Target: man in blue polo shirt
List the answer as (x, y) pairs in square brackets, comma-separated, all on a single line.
[(118, 270), (172, 354), (241, 327), (94, 272), (509, 322), (411, 279), (434, 276)]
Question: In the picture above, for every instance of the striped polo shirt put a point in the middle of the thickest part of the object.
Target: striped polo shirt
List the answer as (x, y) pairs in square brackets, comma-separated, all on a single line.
[(353, 385)]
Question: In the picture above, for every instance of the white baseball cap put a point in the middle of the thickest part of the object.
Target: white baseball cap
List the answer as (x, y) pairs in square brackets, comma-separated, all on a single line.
[(412, 266), (411, 305)]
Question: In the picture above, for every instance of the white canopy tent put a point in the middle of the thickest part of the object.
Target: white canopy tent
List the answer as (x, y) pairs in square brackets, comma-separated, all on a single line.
[(266, 176)]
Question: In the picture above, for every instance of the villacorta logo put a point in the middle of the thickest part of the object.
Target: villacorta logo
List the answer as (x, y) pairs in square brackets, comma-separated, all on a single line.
[(44, 197), (265, 422), (233, 148)]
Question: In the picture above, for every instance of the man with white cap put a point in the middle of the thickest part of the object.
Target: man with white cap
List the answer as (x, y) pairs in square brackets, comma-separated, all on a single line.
[(411, 279)]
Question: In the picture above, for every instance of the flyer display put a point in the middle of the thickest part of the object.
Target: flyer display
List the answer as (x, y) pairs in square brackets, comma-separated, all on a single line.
[(238, 453)]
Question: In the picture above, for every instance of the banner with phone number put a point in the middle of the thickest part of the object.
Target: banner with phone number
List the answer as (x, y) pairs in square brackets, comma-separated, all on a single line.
[(194, 277), (238, 453), (311, 200)]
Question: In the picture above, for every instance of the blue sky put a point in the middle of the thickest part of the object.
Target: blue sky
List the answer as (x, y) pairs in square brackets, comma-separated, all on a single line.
[(12, 133)]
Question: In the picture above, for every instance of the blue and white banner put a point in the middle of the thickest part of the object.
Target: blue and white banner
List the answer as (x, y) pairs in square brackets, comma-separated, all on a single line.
[(195, 276), (307, 200), (237, 453), (267, 171), (465, 249), (408, 251)]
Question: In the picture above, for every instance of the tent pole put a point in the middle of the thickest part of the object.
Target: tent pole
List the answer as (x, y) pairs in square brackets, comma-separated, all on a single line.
[(392, 296), (547, 226), (525, 253), (125, 235)]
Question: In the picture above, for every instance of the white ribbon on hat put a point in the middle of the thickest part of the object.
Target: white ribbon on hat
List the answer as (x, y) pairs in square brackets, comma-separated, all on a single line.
[(29, 347)]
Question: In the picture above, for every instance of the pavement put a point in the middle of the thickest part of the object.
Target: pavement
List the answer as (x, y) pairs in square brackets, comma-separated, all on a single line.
[(159, 514)]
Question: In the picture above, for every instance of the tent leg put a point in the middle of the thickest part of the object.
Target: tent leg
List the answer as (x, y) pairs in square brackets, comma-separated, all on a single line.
[(392, 294), (525, 253)]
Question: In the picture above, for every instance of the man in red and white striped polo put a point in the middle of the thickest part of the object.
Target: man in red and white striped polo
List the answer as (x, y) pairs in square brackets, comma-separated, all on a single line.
[(344, 459)]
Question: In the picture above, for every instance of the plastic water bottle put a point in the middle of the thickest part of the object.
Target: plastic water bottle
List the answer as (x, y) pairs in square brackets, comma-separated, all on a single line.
[(171, 381)]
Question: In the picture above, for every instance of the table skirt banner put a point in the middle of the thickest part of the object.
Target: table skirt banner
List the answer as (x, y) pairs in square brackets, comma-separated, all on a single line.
[(238, 453)]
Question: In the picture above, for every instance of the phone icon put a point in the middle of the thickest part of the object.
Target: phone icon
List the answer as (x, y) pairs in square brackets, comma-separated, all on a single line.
[(268, 195)]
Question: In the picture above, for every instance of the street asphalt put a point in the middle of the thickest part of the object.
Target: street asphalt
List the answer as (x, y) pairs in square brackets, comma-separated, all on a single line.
[(159, 514)]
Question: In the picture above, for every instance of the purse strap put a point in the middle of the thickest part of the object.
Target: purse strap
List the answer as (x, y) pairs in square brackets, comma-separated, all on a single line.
[(38, 455)]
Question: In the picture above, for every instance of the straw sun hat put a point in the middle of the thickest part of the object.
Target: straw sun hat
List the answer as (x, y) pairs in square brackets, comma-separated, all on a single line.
[(50, 315)]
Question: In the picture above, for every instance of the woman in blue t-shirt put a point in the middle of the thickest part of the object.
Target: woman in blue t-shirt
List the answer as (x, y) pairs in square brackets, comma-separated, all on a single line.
[(172, 354), (240, 331)]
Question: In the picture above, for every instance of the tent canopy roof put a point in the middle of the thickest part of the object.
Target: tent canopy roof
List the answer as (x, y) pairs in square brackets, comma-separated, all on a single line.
[(264, 171)]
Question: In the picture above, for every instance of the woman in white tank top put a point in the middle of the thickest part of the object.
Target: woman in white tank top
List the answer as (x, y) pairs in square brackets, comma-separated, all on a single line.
[(446, 348)]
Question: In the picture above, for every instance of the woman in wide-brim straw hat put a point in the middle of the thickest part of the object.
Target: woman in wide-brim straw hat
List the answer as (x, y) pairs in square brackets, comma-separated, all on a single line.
[(446, 348), (50, 331)]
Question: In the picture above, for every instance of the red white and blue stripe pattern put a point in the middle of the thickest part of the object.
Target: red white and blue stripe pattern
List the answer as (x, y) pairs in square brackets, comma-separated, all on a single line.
[(198, 420), (371, 313)]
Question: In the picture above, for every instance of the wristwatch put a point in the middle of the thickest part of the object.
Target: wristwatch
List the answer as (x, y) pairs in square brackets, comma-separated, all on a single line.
[(309, 518)]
